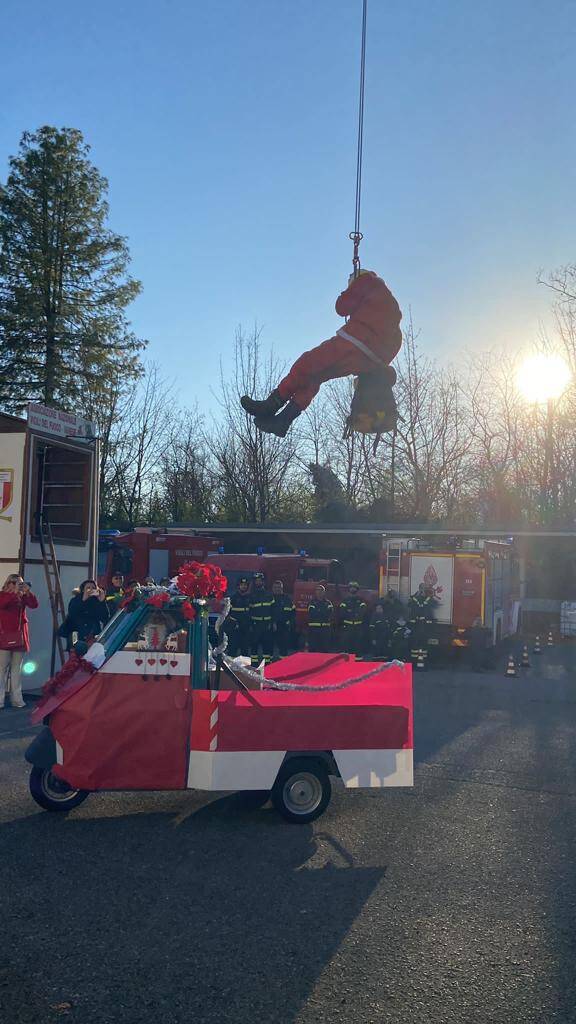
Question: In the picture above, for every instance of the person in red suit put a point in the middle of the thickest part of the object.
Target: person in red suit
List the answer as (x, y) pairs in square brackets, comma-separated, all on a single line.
[(368, 341), (15, 598)]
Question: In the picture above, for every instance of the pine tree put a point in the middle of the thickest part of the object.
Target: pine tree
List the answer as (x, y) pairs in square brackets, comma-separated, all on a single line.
[(64, 286)]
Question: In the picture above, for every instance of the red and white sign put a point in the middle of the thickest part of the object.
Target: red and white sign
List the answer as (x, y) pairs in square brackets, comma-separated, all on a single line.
[(6, 492), (436, 572), (58, 423)]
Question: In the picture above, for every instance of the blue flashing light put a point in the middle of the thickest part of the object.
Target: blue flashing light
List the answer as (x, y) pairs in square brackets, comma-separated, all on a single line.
[(260, 551), (303, 552), (221, 549)]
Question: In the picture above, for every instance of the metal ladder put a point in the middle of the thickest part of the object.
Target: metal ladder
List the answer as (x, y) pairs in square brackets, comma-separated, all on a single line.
[(394, 551), (53, 586)]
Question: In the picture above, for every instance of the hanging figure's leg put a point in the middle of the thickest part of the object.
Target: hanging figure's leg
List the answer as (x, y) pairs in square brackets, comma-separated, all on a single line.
[(264, 407), (330, 359)]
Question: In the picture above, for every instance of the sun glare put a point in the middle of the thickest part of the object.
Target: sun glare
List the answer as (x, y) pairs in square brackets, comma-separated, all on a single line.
[(543, 377)]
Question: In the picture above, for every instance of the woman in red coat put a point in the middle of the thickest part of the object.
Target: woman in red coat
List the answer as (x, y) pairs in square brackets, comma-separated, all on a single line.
[(15, 598), (370, 340)]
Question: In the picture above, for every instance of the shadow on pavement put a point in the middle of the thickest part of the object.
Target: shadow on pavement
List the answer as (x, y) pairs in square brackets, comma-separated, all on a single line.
[(212, 915)]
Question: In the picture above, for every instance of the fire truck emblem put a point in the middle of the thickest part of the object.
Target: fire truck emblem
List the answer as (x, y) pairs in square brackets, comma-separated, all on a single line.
[(6, 492), (431, 581)]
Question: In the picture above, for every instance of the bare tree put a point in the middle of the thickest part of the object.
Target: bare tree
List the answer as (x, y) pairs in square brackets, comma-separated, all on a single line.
[(432, 439), (255, 471), (186, 478), (139, 440)]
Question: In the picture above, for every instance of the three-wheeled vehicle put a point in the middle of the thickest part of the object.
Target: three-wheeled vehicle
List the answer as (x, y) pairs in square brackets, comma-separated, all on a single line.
[(148, 707)]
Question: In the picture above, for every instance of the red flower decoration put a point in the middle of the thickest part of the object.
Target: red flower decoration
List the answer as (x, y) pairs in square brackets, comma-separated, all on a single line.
[(188, 612), (158, 600), (69, 668), (128, 597), (198, 580)]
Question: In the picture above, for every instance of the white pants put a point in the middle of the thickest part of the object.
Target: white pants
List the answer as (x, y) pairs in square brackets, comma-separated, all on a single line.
[(10, 664)]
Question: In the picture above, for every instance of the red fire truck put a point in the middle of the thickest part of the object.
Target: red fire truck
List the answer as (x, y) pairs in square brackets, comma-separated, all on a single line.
[(471, 585), (148, 552)]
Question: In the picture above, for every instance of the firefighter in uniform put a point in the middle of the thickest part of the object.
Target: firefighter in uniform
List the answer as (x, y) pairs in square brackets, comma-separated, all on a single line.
[(261, 605), (283, 619), (239, 629), (115, 593), (400, 641), (320, 612), (420, 608), (393, 608), (379, 633), (352, 620)]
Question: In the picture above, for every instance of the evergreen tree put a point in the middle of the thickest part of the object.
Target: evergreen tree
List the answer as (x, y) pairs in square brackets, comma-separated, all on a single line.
[(64, 286)]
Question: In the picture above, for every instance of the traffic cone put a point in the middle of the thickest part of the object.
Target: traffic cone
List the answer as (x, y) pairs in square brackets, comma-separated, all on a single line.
[(420, 663), (550, 640), (537, 649), (525, 662), (511, 667)]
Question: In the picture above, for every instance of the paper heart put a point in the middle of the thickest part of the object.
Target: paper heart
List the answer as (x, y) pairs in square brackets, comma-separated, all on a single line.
[(151, 661), (138, 661), (163, 661), (174, 664)]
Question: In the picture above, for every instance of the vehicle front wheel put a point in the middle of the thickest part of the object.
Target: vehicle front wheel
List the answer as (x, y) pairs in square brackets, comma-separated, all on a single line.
[(302, 790), (52, 793)]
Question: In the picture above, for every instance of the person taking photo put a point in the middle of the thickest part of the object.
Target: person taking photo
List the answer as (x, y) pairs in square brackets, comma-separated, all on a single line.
[(87, 614), (15, 597)]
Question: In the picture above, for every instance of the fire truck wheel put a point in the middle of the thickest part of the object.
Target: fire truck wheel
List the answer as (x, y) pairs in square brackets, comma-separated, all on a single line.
[(52, 793), (302, 790)]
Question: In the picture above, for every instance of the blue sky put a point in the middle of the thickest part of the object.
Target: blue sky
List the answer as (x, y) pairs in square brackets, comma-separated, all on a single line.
[(227, 132)]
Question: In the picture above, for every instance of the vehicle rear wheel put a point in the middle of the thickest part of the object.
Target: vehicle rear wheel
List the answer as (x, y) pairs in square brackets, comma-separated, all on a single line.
[(52, 793), (302, 790)]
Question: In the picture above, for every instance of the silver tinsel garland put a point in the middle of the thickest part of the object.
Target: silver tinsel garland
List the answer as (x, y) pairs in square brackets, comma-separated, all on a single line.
[(272, 684)]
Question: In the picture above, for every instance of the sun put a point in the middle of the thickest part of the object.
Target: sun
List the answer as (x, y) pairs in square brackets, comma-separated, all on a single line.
[(542, 378)]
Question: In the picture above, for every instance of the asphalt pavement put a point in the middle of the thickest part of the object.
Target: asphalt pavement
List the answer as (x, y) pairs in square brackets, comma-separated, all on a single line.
[(451, 902)]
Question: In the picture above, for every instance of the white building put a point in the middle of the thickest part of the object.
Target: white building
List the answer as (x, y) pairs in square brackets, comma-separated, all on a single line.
[(48, 472)]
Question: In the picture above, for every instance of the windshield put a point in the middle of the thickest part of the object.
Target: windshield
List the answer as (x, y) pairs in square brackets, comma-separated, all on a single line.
[(111, 626)]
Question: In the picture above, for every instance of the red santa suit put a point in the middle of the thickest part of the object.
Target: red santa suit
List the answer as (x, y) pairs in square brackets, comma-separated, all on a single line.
[(371, 338)]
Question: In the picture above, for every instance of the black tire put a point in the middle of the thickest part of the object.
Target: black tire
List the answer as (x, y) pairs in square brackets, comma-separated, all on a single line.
[(52, 793), (302, 790)]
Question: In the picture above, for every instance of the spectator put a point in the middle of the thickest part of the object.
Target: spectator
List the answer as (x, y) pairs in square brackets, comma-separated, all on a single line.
[(15, 597), (115, 593), (87, 613), (320, 612), (149, 581)]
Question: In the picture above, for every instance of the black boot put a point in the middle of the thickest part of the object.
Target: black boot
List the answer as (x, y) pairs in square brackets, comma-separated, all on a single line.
[(279, 424), (266, 407)]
